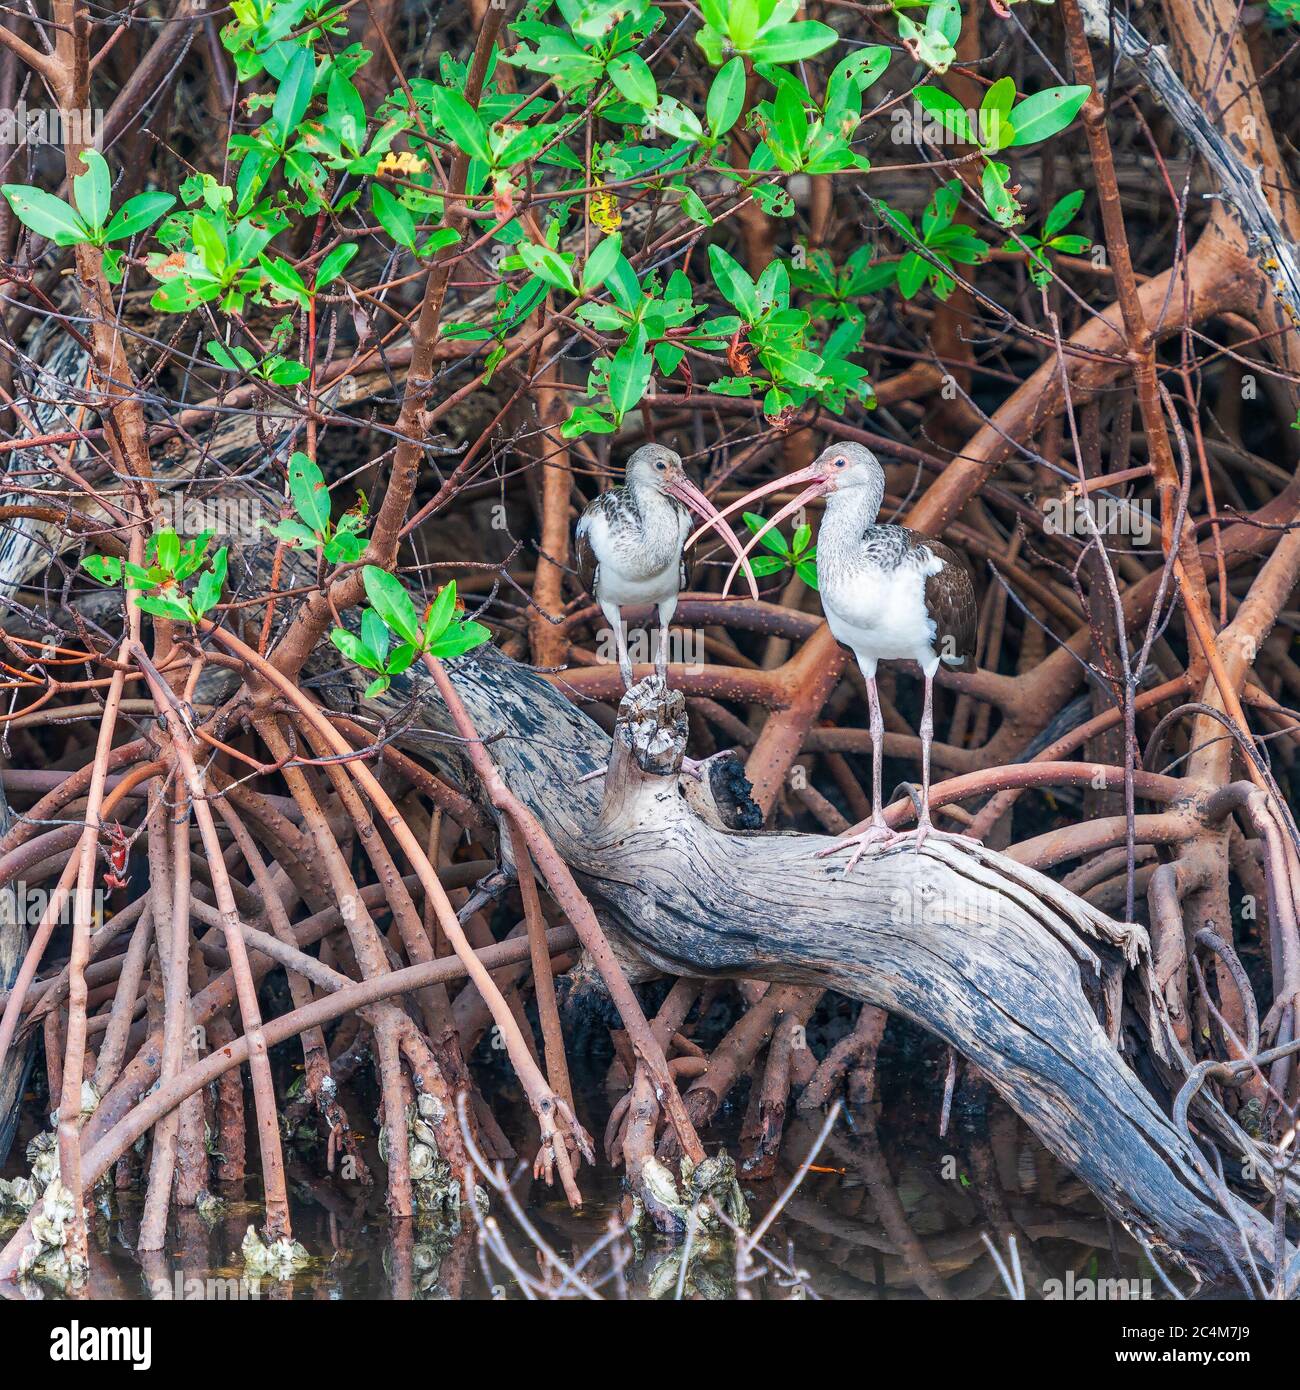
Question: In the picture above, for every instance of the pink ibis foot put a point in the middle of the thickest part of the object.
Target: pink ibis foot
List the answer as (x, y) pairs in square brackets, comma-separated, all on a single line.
[(926, 830), (877, 835)]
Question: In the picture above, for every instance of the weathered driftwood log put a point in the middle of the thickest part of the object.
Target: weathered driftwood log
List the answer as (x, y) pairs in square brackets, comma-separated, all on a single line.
[(987, 955)]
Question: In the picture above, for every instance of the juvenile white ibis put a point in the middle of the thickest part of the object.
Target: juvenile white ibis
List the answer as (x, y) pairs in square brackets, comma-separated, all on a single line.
[(889, 594), (629, 544)]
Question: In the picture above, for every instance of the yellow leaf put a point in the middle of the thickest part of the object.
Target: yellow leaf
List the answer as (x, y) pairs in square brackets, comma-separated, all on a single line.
[(605, 211)]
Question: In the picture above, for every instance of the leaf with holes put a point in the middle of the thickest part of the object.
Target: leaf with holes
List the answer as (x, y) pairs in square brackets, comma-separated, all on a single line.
[(136, 214), (1045, 113), (311, 497), (92, 190), (46, 215)]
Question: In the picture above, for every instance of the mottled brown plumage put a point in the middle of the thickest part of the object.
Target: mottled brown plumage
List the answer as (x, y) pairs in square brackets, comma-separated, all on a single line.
[(630, 541), (950, 598)]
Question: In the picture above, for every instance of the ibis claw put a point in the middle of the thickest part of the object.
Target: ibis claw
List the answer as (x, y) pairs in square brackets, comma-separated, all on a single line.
[(876, 836), (926, 831)]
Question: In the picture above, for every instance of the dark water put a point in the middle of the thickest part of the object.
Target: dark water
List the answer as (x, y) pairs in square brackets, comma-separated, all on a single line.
[(891, 1210)]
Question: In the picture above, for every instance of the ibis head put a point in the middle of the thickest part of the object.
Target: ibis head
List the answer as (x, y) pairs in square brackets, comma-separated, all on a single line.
[(837, 469), (659, 468), (655, 466), (845, 466)]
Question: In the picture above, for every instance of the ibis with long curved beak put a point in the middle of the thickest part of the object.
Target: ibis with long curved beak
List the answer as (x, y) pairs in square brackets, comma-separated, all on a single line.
[(630, 542), (889, 594)]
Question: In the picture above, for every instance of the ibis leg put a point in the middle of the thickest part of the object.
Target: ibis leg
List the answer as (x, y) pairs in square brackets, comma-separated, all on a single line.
[(877, 832), (877, 752), (666, 611), (614, 617), (924, 826)]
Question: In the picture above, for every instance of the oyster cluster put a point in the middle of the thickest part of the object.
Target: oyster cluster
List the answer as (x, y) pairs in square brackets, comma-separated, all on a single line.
[(47, 1255), (426, 1256), (710, 1272), (210, 1207), (277, 1259), (435, 1188), (22, 1194), (708, 1196)]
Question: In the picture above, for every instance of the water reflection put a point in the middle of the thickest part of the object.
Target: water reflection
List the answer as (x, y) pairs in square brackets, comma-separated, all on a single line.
[(890, 1210)]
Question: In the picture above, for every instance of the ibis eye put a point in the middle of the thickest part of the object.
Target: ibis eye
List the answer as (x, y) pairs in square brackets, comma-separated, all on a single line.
[(660, 465), (839, 463)]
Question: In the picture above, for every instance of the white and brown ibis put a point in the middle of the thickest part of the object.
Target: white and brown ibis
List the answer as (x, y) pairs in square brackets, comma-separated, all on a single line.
[(630, 539), (889, 594)]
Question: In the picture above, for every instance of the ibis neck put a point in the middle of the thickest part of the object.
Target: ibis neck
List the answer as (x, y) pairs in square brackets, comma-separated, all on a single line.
[(848, 514), (649, 500)]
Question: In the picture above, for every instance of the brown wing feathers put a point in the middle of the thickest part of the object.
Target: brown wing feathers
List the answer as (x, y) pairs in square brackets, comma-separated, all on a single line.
[(587, 564), (950, 597)]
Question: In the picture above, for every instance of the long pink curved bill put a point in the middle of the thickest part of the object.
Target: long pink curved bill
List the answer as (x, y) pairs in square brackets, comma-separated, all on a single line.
[(801, 475), (801, 500), (686, 491)]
